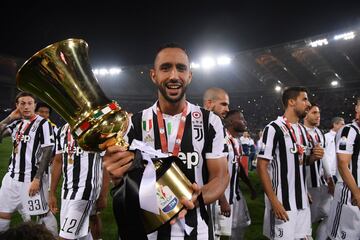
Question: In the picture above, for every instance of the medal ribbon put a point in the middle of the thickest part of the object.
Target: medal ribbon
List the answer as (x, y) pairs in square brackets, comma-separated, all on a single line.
[(236, 150), (20, 133), (299, 147), (70, 143), (180, 133)]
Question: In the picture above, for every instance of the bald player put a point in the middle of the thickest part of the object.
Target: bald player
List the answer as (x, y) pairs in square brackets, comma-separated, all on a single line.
[(217, 100)]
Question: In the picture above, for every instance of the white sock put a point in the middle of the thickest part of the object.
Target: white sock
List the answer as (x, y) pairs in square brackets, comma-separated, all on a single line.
[(50, 223), (4, 224)]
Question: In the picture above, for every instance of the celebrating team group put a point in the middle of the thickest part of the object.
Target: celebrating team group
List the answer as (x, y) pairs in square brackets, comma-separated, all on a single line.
[(307, 176)]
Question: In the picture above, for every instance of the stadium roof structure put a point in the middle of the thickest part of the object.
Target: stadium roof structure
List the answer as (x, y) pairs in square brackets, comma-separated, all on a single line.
[(321, 62), (315, 62)]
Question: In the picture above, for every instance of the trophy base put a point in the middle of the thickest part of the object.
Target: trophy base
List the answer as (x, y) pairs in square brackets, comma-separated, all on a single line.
[(171, 186)]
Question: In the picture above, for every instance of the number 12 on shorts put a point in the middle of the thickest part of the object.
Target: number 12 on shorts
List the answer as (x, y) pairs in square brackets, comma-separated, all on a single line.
[(70, 227)]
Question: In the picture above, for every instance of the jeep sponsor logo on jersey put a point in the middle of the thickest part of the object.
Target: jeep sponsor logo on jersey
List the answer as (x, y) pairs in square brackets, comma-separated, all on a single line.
[(75, 150), (25, 138), (190, 159)]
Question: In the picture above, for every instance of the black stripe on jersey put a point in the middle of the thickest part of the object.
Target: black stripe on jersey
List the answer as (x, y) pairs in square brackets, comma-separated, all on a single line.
[(51, 131), (313, 175), (157, 143), (274, 164), (355, 155), (58, 140), (88, 187), (314, 165), (187, 146), (264, 140), (210, 138), (283, 167), (66, 177), (39, 139), (23, 155), (135, 132), (76, 175), (13, 158), (345, 131), (233, 174), (205, 172), (264, 137)]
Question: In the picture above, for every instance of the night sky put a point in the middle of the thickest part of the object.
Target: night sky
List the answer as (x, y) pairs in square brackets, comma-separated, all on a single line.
[(130, 35)]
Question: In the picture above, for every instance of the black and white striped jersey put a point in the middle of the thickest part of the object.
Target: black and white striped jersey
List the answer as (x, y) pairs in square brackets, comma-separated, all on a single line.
[(28, 137), (82, 170), (233, 164), (286, 168), (348, 142), (203, 138), (315, 172)]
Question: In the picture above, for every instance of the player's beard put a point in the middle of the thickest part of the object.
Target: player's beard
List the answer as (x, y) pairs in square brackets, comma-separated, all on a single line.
[(162, 88), (301, 114)]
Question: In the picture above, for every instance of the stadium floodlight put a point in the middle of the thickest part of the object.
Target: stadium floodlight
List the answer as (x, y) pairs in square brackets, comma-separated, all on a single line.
[(103, 71), (345, 36), (334, 83), (223, 60), (277, 88), (319, 42), (207, 62), (194, 65), (114, 71)]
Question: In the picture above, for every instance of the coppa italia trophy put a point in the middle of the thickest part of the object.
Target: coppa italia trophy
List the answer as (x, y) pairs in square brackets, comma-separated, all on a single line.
[(61, 76)]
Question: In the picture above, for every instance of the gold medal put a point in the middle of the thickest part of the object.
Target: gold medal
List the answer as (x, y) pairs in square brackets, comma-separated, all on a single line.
[(70, 161), (16, 149)]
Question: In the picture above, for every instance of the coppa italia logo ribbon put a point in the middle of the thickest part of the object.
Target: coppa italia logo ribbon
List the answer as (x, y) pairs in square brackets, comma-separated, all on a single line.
[(167, 200)]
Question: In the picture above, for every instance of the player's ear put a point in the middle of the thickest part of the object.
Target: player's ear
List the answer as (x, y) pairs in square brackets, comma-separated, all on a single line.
[(152, 75)]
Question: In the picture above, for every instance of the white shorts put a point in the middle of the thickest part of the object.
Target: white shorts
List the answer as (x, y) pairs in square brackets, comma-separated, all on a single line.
[(344, 219), (14, 195), (241, 216), (222, 224), (298, 226), (74, 218), (320, 207)]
